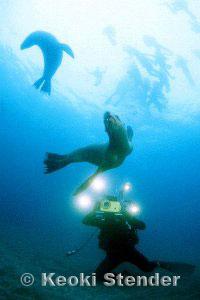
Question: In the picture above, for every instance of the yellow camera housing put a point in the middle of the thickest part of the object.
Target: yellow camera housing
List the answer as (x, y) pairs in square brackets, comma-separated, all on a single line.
[(110, 206)]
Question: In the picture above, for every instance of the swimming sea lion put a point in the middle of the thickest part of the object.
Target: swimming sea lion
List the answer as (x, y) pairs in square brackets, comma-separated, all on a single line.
[(105, 156), (52, 52)]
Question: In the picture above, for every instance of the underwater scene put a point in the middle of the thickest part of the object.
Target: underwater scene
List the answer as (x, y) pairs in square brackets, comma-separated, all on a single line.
[(100, 149)]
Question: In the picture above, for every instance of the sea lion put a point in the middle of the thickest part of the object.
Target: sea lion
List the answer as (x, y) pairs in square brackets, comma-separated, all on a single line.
[(105, 156), (52, 52)]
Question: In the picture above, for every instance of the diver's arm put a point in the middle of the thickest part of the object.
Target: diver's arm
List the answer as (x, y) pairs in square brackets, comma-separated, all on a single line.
[(137, 224)]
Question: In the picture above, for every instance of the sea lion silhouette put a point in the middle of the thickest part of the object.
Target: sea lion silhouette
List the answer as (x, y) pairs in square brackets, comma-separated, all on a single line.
[(52, 52), (105, 156)]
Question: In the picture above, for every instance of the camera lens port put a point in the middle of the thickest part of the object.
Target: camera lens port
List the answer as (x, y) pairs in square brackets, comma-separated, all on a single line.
[(106, 204)]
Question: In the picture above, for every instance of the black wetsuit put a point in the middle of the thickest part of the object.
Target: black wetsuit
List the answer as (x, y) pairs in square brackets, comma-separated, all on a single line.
[(118, 238)]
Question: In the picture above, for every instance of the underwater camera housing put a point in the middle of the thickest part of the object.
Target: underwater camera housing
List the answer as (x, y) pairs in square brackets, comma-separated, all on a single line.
[(109, 207), (110, 204)]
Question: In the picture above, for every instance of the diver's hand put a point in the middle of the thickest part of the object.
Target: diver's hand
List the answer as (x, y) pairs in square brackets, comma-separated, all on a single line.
[(135, 223), (141, 225)]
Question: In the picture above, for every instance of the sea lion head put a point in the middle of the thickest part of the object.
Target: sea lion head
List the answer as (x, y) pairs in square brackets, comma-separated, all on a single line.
[(116, 129), (28, 42), (36, 38), (112, 122)]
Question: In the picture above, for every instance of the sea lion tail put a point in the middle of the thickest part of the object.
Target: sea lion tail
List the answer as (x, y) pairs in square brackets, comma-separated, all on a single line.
[(38, 83), (54, 162), (46, 87)]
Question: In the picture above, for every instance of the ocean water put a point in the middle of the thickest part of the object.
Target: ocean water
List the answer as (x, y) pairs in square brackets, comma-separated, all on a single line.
[(138, 59)]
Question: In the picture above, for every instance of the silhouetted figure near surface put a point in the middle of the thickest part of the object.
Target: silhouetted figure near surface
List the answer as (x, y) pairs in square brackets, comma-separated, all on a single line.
[(156, 96), (157, 84), (162, 73), (146, 61), (98, 74), (181, 63), (160, 57), (133, 89), (178, 5), (182, 5), (110, 33)]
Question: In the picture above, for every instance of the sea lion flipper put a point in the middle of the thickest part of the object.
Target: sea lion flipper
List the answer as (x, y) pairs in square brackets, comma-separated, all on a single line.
[(54, 162), (38, 83), (87, 183), (46, 87), (44, 84), (68, 50)]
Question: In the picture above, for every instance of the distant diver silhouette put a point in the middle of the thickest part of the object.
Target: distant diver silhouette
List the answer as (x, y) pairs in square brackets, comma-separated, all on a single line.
[(52, 52), (104, 156)]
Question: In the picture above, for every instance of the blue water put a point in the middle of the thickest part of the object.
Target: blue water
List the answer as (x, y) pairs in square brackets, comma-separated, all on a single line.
[(39, 218)]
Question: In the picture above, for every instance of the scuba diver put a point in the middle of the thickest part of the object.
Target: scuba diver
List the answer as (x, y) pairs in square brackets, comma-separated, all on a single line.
[(118, 238)]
